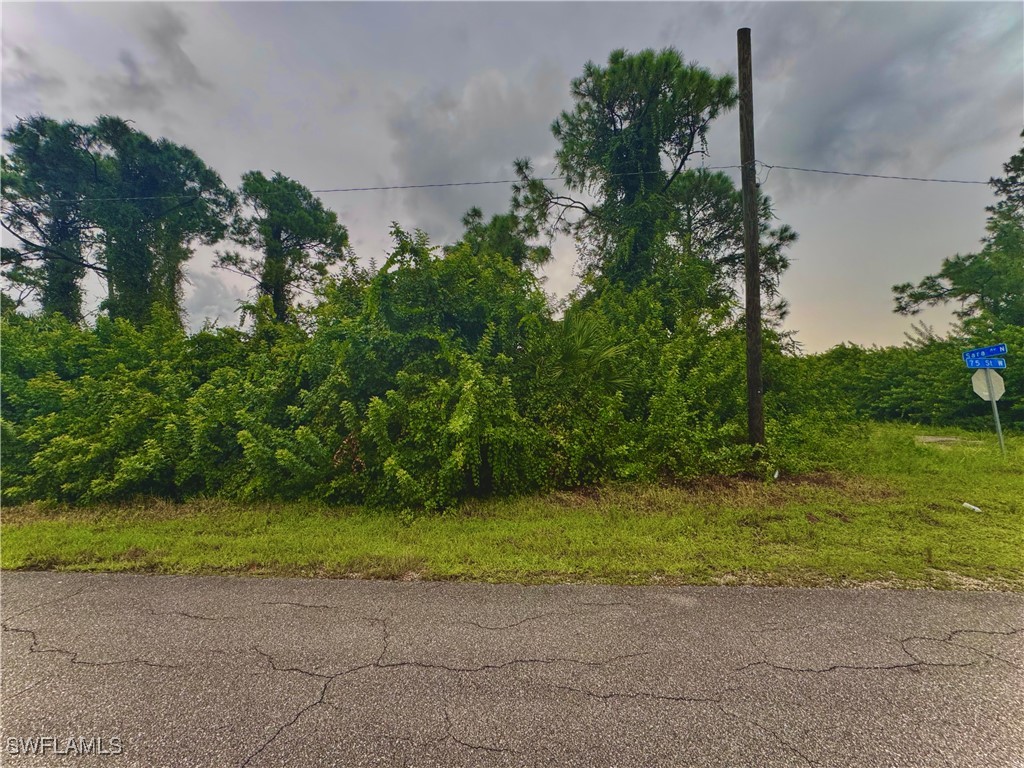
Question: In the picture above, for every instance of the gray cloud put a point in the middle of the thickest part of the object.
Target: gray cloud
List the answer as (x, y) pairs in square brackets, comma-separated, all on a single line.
[(209, 297), (132, 89), (165, 29), (26, 80), (784, 33), (166, 69), (866, 94), (473, 134)]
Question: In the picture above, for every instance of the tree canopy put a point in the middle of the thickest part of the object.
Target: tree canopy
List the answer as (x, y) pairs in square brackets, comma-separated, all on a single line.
[(51, 166), (988, 284), (158, 200), (296, 238), (107, 198), (627, 151)]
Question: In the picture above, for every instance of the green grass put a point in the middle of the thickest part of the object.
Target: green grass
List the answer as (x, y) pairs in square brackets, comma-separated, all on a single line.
[(888, 510)]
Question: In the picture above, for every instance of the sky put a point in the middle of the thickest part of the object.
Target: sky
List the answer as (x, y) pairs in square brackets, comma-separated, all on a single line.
[(377, 94)]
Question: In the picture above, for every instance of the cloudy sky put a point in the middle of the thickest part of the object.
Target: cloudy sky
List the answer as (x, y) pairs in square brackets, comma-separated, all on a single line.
[(374, 94)]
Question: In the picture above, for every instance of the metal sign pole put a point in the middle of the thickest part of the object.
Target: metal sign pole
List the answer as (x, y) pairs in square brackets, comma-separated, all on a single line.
[(995, 410)]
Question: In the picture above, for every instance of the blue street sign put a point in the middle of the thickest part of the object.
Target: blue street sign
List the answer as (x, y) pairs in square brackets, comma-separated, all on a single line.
[(974, 354), (986, 362)]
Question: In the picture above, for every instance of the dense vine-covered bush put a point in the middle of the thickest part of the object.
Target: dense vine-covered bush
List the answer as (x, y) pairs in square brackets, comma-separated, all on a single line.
[(441, 375), (93, 414), (923, 381)]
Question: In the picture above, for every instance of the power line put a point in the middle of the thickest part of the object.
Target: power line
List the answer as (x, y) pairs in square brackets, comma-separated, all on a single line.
[(375, 189), (550, 178), (498, 181), (633, 173), (427, 186), (870, 175), (114, 199)]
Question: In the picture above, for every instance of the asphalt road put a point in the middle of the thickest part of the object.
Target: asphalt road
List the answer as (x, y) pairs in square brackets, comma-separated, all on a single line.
[(186, 671)]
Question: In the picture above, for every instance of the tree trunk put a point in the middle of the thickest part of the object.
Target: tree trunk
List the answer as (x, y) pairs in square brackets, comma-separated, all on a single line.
[(129, 272), (168, 275), (61, 292), (272, 281)]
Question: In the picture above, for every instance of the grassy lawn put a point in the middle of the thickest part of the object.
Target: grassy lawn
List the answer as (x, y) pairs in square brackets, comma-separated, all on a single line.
[(888, 510)]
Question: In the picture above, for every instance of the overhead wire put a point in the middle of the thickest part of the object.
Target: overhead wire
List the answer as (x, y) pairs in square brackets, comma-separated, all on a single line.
[(438, 185), (497, 181), (373, 189), (871, 175)]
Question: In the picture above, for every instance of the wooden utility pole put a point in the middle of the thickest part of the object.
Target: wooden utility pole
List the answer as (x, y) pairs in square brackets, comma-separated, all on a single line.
[(755, 389)]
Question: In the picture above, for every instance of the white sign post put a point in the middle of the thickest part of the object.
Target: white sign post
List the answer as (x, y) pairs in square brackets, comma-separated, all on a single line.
[(989, 386)]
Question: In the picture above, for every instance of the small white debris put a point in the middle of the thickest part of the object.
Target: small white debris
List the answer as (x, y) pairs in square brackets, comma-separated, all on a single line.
[(972, 507), (776, 475)]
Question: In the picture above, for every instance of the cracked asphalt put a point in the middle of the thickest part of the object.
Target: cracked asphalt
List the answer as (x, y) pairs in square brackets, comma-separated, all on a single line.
[(208, 671)]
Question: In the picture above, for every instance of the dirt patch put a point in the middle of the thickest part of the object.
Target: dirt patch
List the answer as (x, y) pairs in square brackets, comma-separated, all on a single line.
[(815, 479), (712, 484), (861, 488), (959, 581), (577, 497), (825, 488)]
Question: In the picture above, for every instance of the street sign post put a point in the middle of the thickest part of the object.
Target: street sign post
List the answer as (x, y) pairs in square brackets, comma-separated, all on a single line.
[(988, 385)]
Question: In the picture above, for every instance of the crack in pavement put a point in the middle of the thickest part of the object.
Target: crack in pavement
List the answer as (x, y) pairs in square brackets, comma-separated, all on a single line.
[(542, 616), (505, 664), (327, 680), (850, 667), (716, 700), (790, 746), (394, 747), (640, 695), (16, 694), (449, 734), (948, 639), (383, 623), (188, 615), (379, 663), (309, 673), (74, 654), (55, 600), (917, 663), (290, 723), (510, 626)]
